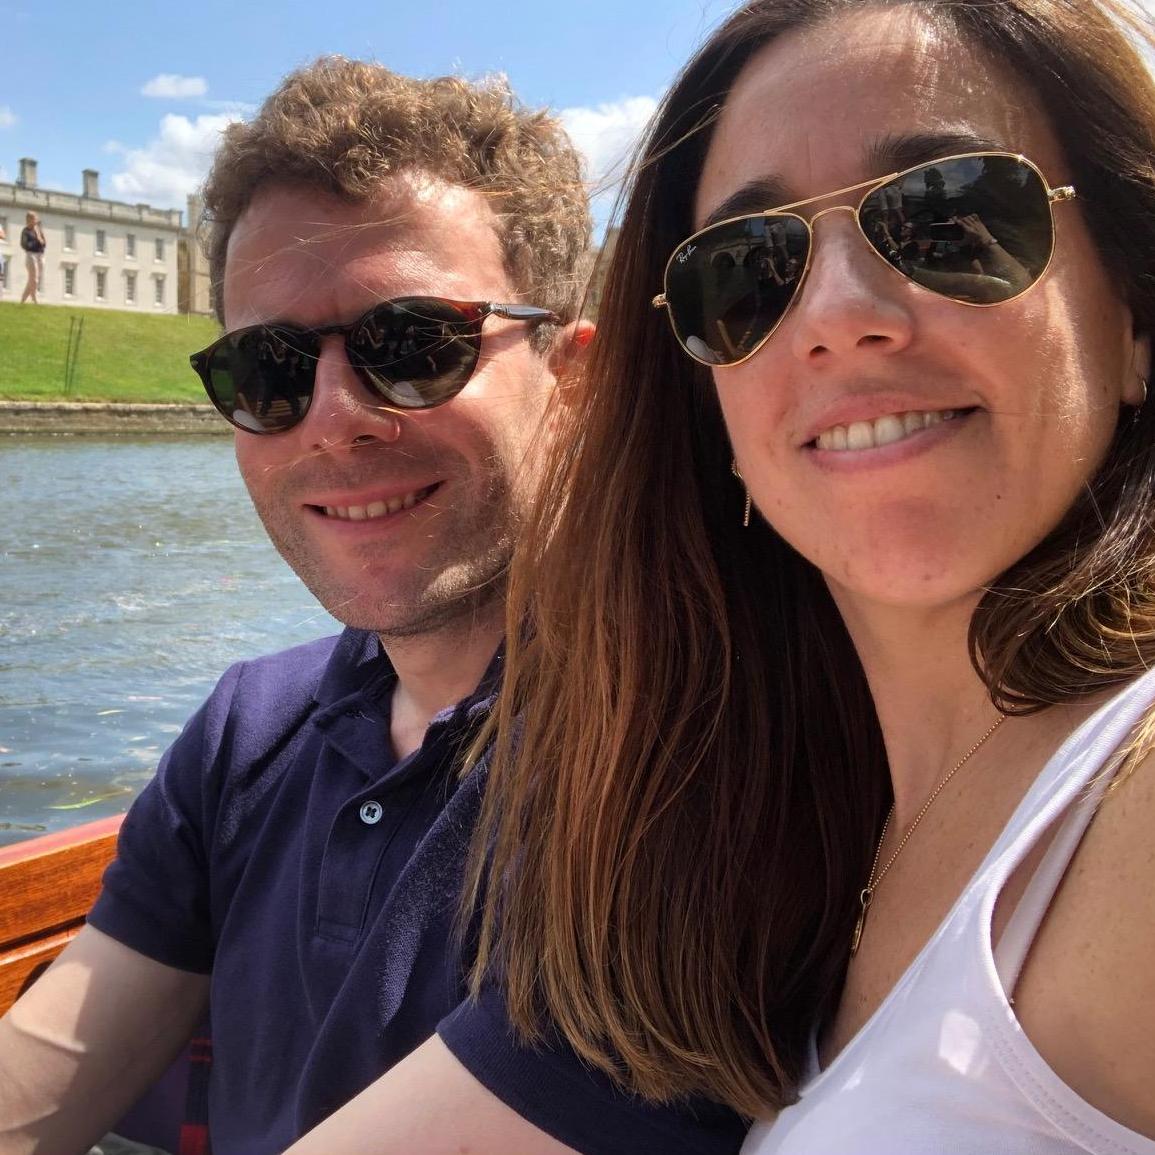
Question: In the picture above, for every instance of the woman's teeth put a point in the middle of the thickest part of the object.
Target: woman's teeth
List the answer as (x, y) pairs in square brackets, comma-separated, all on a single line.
[(882, 431)]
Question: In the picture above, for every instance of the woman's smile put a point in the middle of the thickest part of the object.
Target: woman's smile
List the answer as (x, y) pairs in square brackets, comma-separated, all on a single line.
[(886, 430), (932, 436)]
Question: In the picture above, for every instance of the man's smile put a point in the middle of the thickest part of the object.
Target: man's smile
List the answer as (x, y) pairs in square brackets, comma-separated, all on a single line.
[(376, 509)]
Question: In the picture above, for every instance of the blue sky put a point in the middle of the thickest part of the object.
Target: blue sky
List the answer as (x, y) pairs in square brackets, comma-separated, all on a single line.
[(139, 91)]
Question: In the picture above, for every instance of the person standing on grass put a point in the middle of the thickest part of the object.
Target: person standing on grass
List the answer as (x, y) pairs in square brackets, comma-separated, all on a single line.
[(33, 243)]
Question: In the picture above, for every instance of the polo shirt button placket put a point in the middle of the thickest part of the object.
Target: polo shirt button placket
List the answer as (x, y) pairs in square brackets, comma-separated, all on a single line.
[(371, 812)]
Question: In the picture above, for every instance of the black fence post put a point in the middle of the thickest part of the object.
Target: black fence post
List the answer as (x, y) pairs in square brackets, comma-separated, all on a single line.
[(71, 360), (68, 353)]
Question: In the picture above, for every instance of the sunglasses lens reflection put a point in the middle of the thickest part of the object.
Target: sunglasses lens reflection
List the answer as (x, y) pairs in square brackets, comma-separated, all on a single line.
[(261, 378), (418, 352), (976, 229), (729, 286)]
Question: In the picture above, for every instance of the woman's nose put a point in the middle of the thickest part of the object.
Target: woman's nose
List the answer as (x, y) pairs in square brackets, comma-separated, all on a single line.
[(850, 302)]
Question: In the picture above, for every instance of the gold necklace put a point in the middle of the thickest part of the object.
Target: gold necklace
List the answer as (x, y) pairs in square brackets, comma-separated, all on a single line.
[(867, 894)]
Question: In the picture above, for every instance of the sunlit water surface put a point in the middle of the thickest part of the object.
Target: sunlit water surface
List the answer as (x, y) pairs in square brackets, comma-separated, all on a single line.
[(132, 573)]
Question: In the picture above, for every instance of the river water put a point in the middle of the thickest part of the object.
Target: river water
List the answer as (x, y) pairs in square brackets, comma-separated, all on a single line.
[(132, 573)]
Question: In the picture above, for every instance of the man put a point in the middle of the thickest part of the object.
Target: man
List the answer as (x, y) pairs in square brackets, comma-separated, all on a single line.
[(398, 271)]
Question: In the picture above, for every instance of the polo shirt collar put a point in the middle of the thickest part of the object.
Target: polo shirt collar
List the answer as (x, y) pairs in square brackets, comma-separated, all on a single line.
[(355, 696), (357, 665)]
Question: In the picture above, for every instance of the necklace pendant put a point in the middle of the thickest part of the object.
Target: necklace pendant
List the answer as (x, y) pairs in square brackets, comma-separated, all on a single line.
[(864, 898)]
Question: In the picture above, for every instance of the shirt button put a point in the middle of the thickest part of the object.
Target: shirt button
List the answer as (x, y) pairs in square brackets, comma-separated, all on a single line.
[(372, 813)]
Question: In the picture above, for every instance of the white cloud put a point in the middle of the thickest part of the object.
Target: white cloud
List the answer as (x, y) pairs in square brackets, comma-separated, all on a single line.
[(170, 86), (240, 108), (606, 135), (173, 164), (7, 116)]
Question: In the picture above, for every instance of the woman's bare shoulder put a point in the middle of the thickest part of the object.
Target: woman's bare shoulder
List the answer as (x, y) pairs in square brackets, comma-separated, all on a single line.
[(1086, 997)]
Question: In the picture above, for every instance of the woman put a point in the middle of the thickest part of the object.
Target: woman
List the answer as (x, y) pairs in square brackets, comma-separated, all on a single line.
[(33, 243), (887, 715)]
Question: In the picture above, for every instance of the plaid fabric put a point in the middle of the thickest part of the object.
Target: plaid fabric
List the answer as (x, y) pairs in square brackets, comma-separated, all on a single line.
[(194, 1129)]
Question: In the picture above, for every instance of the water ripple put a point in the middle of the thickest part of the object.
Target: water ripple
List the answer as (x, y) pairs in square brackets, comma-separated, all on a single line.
[(135, 571)]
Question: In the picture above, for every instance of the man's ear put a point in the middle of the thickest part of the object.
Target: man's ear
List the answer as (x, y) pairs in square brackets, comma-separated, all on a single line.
[(1135, 387), (567, 358)]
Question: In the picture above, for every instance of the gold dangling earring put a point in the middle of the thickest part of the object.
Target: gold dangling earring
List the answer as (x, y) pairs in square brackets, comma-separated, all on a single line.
[(746, 511), (1138, 409)]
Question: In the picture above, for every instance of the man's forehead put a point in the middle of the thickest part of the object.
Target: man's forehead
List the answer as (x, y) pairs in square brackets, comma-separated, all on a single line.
[(403, 209), (417, 235)]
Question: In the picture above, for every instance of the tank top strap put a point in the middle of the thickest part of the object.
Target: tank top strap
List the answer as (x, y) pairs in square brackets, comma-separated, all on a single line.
[(1093, 753), (1015, 942)]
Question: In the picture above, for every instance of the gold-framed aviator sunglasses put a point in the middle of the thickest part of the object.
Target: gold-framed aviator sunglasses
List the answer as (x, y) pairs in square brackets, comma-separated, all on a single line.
[(976, 227)]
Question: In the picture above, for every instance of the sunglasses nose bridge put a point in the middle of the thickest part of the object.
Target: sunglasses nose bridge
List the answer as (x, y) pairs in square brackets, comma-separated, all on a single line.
[(334, 363), (342, 397), (851, 209), (842, 296)]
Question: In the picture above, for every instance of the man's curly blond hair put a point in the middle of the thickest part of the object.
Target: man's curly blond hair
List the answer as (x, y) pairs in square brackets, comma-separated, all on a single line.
[(345, 127)]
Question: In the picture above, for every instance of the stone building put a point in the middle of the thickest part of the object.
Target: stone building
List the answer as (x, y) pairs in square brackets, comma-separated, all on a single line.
[(194, 286), (101, 253)]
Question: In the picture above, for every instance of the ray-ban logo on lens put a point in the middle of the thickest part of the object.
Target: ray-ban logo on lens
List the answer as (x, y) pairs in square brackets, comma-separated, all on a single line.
[(685, 254)]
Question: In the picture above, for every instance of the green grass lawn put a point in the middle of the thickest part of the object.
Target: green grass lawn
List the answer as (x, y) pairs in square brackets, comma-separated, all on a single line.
[(121, 356)]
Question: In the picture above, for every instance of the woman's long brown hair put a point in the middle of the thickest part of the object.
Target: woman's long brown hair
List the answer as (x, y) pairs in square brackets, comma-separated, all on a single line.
[(688, 777)]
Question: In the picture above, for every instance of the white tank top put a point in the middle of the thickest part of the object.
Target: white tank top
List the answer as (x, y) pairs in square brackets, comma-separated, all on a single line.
[(943, 1065)]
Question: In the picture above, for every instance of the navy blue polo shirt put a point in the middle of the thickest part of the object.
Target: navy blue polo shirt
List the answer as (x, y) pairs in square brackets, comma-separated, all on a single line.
[(284, 850)]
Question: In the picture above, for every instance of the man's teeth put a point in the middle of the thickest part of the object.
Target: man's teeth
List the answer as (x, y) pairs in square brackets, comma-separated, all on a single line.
[(376, 508), (882, 431)]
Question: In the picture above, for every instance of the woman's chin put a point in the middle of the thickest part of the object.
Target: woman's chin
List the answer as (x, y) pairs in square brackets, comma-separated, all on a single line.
[(918, 590)]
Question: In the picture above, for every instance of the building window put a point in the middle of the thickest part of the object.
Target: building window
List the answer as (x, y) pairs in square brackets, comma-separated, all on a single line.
[(158, 292), (4, 225), (70, 236), (100, 242), (159, 248), (70, 280), (130, 288), (130, 244), (101, 283), (3, 271)]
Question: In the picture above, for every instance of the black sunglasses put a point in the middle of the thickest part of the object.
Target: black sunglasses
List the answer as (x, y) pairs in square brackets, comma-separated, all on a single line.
[(976, 227), (413, 352)]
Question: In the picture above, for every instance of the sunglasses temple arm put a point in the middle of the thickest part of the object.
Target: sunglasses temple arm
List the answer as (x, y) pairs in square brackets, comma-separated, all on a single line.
[(521, 313)]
